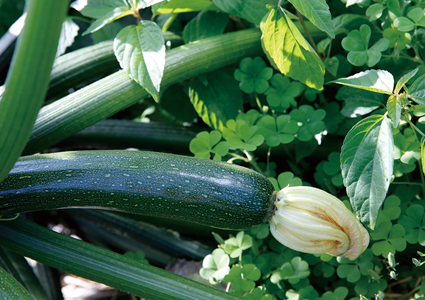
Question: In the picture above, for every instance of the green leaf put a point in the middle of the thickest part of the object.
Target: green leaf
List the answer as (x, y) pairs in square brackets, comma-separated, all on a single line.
[(205, 24), (215, 266), (235, 245), (404, 79), (414, 224), (182, 6), (140, 51), (254, 75), (423, 154), (379, 81), (12, 289), (68, 33), (277, 131), (374, 12), (206, 143), (394, 109), (358, 102), (367, 158), (331, 64), (97, 8), (141, 4), (390, 237), (110, 16), (416, 91), (416, 14), (357, 43), (282, 93), (290, 52), (211, 101), (251, 10), (404, 24), (317, 11)]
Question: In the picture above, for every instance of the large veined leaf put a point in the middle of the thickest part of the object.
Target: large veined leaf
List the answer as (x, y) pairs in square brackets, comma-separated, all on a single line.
[(358, 102), (378, 81), (140, 51), (104, 11), (141, 4), (290, 52), (181, 6), (205, 24), (394, 109), (404, 79), (251, 10), (12, 289), (416, 91), (317, 11), (210, 98), (367, 157), (68, 33)]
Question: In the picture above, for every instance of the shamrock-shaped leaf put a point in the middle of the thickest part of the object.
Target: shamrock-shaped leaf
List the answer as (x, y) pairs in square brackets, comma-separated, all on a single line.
[(277, 131), (404, 24), (256, 294), (333, 117), (206, 143), (235, 245), (391, 208), (397, 38), (240, 135), (292, 271), (406, 147), (391, 238), (250, 117), (332, 167), (416, 91), (268, 261), (414, 223), (354, 269), (357, 43), (339, 294), (305, 293), (311, 121), (261, 232), (374, 11), (324, 270), (285, 179), (283, 92), (370, 288), (253, 75), (215, 266), (332, 64), (243, 278)]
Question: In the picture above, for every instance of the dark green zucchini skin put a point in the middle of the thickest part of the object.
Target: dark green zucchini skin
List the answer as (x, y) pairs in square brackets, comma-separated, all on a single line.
[(215, 194)]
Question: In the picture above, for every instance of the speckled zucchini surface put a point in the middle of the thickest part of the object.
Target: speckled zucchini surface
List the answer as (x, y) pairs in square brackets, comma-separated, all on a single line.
[(201, 191)]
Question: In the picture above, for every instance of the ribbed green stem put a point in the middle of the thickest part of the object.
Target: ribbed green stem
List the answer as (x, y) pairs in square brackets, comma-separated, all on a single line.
[(86, 64), (111, 94), (94, 263), (28, 78)]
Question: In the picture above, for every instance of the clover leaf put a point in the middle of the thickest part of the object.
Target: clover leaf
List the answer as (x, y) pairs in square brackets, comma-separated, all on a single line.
[(406, 147), (215, 266), (250, 117), (354, 269), (281, 95), (389, 237), (261, 232), (277, 131), (357, 43), (370, 288), (268, 261), (253, 75), (324, 270), (285, 179), (305, 293), (339, 294), (333, 117), (391, 209), (414, 223), (240, 135), (235, 245), (309, 121), (292, 271), (256, 294), (397, 39), (243, 278), (207, 143)]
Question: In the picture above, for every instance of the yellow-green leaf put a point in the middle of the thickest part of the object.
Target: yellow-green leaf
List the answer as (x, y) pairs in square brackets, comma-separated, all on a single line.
[(394, 110), (290, 52)]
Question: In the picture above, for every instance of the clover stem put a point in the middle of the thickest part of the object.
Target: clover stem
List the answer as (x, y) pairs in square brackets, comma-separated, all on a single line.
[(228, 286), (310, 39), (268, 160), (169, 22), (414, 128), (252, 162), (235, 157), (258, 102)]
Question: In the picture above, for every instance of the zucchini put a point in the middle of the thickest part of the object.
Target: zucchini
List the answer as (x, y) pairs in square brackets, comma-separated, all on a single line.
[(201, 191)]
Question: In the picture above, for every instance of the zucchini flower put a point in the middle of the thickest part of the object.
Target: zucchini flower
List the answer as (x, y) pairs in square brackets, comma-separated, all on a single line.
[(310, 220)]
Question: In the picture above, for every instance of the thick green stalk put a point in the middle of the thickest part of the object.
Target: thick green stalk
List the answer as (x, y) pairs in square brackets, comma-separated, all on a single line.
[(115, 92), (28, 78), (94, 263)]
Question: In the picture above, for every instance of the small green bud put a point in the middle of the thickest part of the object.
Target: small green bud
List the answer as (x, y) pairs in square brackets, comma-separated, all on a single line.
[(363, 297), (416, 262), (393, 275), (375, 276)]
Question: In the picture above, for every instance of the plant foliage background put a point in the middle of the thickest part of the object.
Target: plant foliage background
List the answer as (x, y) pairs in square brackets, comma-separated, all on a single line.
[(332, 96)]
